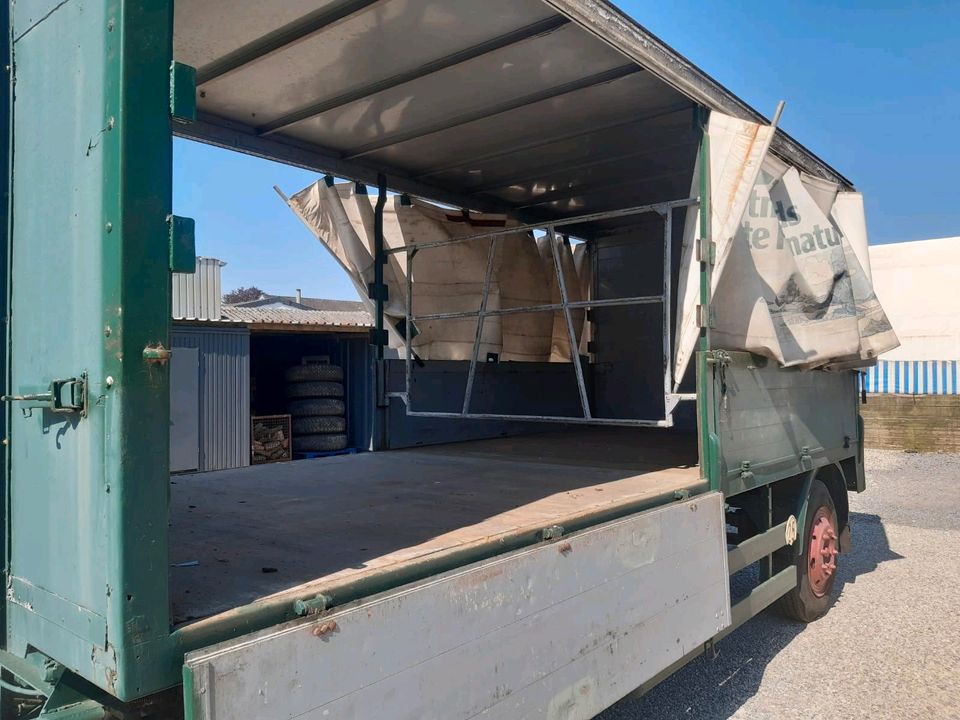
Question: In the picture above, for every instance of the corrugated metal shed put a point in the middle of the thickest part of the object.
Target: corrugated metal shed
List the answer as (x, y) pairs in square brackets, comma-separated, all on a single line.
[(196, 296), (224, 393)]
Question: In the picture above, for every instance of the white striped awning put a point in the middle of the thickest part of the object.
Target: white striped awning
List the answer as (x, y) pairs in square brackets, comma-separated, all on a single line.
[(912, 377)]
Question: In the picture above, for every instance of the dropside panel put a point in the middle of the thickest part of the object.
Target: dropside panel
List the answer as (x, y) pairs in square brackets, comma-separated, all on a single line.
[(774, 423), (561, 630)]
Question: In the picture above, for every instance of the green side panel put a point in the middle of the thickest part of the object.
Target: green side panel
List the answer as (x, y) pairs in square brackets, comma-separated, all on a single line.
[(183, 250), (183, 92), (91, 194), (5, 101), (774, 423)]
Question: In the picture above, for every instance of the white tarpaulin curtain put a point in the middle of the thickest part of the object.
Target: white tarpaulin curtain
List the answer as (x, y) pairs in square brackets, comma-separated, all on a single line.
[(737, 149), (450, 278), (794, 288), (792, 278)]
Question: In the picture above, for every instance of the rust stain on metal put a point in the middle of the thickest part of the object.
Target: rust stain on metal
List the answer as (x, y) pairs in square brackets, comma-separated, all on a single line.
[(156, 353), (478, 578), (325, 628), (565, 548)]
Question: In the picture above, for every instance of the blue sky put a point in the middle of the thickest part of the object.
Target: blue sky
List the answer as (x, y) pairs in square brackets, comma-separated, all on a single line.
[(871, 87)]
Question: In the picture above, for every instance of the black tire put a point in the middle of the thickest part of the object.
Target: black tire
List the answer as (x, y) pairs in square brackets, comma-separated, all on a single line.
[(315, 371), (315, 389), (321, 406), (802, 603), (318, 424), (319, 443)]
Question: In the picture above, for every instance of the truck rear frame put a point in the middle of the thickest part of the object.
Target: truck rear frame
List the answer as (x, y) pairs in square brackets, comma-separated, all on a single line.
[(96, 96)]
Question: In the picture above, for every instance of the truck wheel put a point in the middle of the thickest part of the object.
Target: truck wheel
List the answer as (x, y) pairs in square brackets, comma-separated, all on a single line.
[(817, 566)]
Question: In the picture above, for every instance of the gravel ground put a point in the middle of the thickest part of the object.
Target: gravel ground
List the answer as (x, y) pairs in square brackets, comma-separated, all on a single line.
[(890, 645)]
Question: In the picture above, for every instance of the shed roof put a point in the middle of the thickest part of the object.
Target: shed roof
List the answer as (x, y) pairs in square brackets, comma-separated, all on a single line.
[(318, 313)]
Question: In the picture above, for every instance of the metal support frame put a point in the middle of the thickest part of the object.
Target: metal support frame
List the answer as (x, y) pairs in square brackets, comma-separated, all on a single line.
[(665, 299), (481, 316), (571, 333), (379, 260)]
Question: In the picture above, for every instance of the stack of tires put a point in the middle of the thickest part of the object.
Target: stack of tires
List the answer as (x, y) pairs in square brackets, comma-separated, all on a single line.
[(315, 400)]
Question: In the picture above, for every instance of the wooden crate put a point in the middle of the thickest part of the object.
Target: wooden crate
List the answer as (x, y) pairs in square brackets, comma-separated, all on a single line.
[(270, 439)]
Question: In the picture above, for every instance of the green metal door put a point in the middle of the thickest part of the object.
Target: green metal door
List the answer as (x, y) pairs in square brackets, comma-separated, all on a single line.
[(87, 303)]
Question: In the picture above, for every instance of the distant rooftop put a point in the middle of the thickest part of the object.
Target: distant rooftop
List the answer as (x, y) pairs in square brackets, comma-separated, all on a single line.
[(197, 298), (285, 310)]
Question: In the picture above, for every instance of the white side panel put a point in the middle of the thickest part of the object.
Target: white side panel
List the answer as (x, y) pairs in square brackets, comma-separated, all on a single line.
[(561, 630)]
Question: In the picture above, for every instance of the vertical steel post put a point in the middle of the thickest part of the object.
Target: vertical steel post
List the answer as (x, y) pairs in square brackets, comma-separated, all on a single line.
[(408, 330), (708, 448), (6, 107), (379, 259), (571, 335), (667, 305), (491, 253)]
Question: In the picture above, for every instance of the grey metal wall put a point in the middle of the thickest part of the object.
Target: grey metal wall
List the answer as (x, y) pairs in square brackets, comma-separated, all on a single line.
[(224, 395), (516, 388)]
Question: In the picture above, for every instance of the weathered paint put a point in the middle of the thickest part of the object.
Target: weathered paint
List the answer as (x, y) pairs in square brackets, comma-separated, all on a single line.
[(566, 628), (92, 292), (781, 422), (90, 297)]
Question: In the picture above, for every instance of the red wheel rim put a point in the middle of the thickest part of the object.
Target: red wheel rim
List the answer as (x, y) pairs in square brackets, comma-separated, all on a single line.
[(822, 555)]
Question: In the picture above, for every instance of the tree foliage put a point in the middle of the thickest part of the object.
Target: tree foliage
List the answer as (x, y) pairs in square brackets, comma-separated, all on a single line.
[(243, 294)]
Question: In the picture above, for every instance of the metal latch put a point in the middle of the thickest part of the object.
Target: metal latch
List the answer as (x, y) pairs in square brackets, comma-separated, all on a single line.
[(746, 474), (63, 396), (719, 357)]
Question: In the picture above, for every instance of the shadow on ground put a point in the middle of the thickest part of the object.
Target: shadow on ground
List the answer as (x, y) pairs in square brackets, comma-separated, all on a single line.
[(714, 688)]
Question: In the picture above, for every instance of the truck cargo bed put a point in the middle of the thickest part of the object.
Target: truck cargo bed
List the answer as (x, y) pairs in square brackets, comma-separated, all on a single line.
[(240, 535)]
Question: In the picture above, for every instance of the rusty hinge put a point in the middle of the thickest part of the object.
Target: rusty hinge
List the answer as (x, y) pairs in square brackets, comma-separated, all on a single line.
[(156, 354)]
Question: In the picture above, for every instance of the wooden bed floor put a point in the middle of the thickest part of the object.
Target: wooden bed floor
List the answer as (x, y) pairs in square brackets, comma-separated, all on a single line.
[(239, 535)]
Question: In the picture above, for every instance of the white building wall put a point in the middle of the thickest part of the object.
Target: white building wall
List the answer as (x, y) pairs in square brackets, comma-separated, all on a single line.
[(918, 284)]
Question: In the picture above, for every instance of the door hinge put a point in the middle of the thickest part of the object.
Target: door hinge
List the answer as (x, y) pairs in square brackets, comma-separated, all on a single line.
[(706, 251), (62, 396), (705, 317)]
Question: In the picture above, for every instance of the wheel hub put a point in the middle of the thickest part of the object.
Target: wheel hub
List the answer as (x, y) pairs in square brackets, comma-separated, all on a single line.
[(822, 555)]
